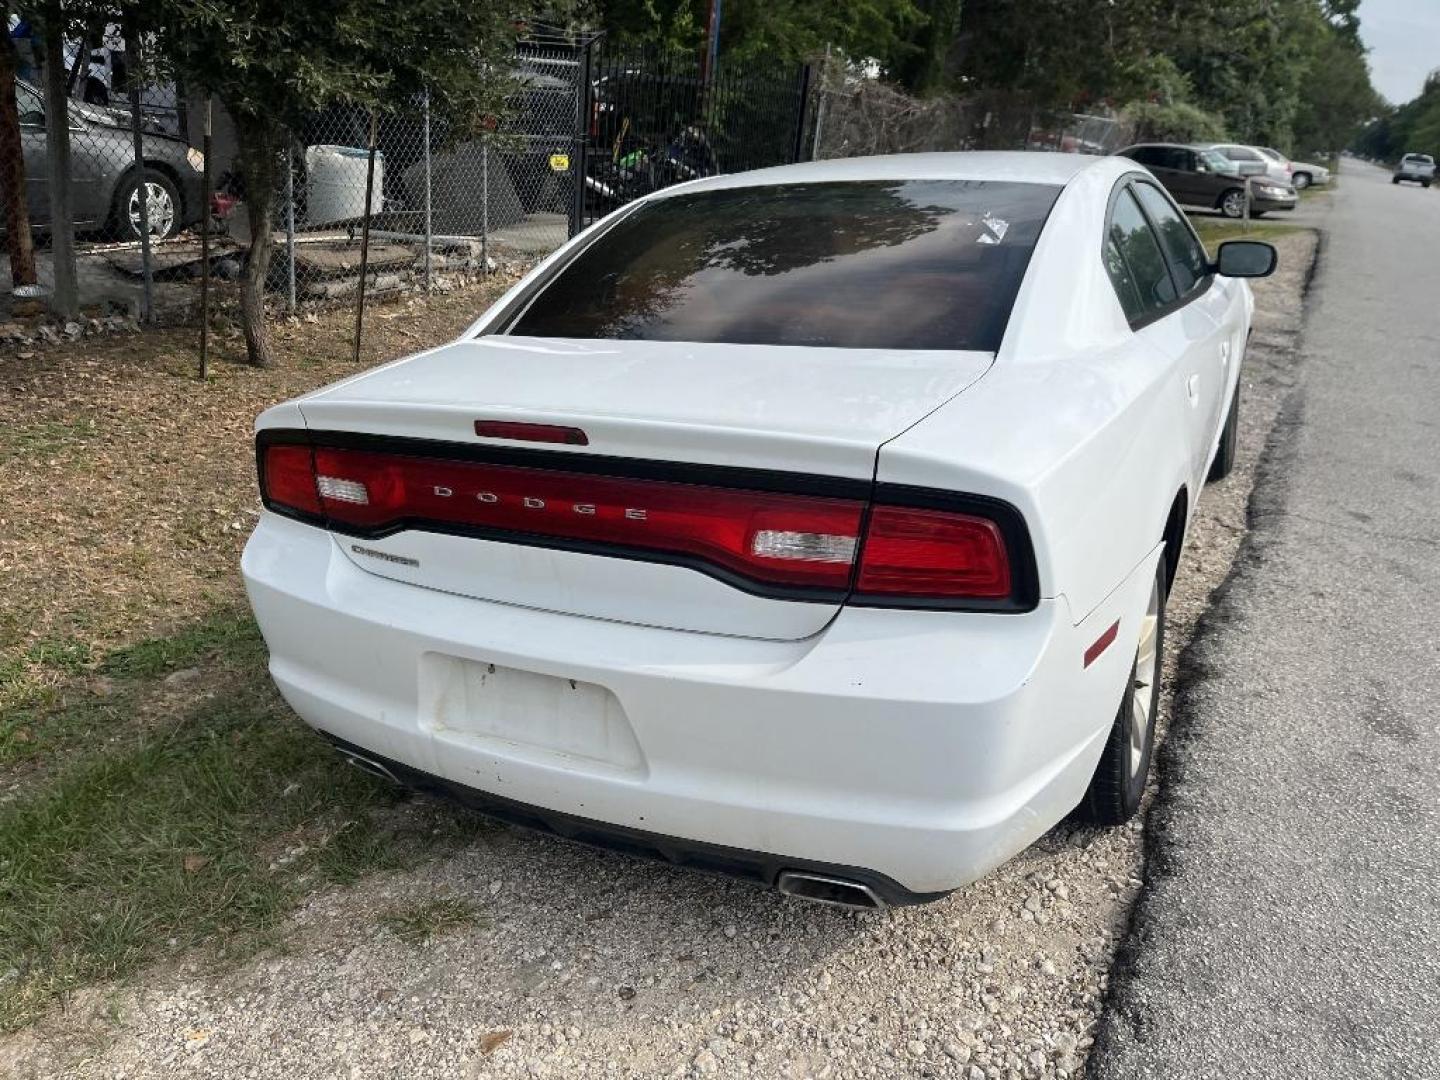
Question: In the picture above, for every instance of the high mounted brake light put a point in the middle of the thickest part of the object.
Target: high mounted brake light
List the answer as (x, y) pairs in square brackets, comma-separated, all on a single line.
[(799, 544)]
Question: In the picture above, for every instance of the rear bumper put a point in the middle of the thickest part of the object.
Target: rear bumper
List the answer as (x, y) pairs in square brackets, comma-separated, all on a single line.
[(762, 867), (1266, 205), (914, 751)]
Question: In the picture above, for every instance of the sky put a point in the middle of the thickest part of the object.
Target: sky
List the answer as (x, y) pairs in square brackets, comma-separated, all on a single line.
[(1404, 41)]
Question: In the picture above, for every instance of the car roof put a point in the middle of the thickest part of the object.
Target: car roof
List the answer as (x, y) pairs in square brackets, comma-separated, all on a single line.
[(1015, 166)]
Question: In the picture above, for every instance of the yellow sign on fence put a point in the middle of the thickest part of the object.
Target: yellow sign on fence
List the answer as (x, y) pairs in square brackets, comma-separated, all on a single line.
[(560, 162)]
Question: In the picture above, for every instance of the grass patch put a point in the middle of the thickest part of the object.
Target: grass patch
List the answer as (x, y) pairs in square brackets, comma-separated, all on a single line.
[(204, 829), (49, 704), (1215, 231), (231, 635), (415, 924), (43, 438)]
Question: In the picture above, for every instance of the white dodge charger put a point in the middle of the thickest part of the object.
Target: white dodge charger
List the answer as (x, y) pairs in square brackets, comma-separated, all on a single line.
[(811, 524)]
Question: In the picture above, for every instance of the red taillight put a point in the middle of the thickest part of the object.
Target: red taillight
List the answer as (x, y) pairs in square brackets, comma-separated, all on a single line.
[(933, 554), (289, 479), (908, 555)]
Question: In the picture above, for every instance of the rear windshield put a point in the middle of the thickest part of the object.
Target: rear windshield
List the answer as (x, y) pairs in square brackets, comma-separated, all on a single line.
[(904, 264), (1421, 159)]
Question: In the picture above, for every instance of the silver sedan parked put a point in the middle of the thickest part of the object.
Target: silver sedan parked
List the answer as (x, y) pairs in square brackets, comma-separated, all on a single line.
[(104, 182)]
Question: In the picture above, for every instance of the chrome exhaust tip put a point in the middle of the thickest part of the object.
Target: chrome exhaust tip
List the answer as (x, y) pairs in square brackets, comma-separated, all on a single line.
[(837, 892), (364, 764)]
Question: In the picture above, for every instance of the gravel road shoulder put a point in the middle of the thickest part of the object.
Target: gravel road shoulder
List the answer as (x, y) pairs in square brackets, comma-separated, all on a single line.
[(567, 962)]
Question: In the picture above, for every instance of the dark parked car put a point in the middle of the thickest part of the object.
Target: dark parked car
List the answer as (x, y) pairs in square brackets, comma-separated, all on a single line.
[(104, 182), (1197, 176)]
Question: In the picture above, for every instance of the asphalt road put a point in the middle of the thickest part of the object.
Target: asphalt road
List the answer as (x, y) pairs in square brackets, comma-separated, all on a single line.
[(1290, 924)]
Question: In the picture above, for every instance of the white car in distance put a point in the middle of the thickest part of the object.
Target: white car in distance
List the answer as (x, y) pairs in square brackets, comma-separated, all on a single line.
[(811, 524)]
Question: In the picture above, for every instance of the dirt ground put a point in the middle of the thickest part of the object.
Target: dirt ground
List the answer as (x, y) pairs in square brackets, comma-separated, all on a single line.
[(130, 485)]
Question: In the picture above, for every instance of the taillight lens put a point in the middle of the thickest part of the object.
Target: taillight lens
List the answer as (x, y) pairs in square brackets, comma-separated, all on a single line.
[(933, 554), (288, 479), (780, 539), (909, 555)]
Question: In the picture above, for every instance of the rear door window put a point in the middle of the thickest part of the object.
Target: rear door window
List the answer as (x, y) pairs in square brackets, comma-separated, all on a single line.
[(1187, 258), (895, 264), (1134, 261)]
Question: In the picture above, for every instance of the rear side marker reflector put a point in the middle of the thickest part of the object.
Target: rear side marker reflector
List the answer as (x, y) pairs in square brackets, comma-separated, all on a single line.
[(1103, 642), (523, 432)]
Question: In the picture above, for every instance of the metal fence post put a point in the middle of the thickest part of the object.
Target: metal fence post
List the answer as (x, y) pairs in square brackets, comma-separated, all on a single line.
[(365, 234), (428, 231), (581, 164), (797, 147), (207, 180), (290, 226), (484, 205), (142, 185)]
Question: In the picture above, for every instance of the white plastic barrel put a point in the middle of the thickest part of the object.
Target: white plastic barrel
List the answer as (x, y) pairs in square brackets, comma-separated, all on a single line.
[(335, 184)]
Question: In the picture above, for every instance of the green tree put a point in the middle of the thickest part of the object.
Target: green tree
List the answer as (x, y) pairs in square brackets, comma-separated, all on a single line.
[(272, 61), (1338, 96), (785, 29)]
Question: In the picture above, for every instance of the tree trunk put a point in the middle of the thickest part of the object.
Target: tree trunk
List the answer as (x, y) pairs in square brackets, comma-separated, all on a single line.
[(65, 300), (259, 140), (18, 242)]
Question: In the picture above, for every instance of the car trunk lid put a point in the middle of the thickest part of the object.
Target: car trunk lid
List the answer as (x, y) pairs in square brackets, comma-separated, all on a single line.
[(716, 427)]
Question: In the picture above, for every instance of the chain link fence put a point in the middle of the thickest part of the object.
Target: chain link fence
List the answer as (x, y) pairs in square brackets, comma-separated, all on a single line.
[(857, 116), (587, 128), (135, 184)]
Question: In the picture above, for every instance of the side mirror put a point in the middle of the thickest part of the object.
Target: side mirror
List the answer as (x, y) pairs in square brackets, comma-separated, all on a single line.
[(1246, 258)]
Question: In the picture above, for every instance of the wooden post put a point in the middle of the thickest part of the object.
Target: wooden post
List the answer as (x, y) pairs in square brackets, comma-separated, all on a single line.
[(18, 241), (365, 236)]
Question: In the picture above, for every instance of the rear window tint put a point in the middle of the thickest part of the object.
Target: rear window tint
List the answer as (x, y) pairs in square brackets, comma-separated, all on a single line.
[(905, 264)]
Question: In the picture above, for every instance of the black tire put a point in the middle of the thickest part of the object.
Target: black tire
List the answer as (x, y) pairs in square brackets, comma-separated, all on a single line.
[(1229, 205), (1394, 179), (1425, 183), (1224, 463), (1119, 782), (1301, 180), (164, 223)]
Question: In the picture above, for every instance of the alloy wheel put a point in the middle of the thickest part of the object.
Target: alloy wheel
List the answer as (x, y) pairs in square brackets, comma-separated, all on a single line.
[(159, 209), (1147, 673), (1234, 204)]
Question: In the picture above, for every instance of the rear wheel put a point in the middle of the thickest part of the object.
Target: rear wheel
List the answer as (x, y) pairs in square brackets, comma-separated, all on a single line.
[(1119, 780), (1424, 183), (1224, 462), (1301, 180), (1394, 179), (1232, 203), (162, 206)]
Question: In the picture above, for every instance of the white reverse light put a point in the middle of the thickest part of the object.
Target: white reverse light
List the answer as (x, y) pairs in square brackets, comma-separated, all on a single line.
[(350, 491), (804, 546)]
